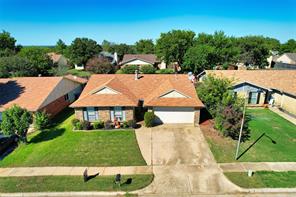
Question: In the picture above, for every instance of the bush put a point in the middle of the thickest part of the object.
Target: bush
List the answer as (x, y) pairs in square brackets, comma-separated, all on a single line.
[(149, 119), (129, 69), (78, 126), (41, 120), (85, 125), (125, 125), (119, 71), (165, 71), (98, 125), (131, 123), (108, 124), (147, 69)]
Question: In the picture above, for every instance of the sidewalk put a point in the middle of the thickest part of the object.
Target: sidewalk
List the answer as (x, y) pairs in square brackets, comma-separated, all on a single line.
[(283, 114), (73, 171), (258, 166)]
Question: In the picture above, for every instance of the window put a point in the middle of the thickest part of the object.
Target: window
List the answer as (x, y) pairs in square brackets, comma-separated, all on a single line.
[(0, 116), (117, 114), (253, 98), (90, 114)]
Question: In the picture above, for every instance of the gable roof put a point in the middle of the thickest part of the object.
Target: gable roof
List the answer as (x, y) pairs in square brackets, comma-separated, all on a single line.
[(149, 88), (149, 58), (54, 57), (27, 92), (282, 80), (292, 56)]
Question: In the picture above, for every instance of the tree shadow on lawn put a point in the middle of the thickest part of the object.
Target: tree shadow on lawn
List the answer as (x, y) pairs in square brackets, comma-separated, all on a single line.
[(48, 135), (255, 142)]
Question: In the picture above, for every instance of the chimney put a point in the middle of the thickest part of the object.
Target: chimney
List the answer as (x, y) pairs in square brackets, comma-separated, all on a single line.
[(115, 56), (136, 74)]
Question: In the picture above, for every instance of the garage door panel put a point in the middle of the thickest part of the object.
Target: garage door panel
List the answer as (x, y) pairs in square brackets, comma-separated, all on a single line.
[(174, 115)]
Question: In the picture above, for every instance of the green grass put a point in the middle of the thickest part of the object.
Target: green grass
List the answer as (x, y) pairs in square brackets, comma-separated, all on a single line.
[(79, 73), (263, 179), (60, 146), (276, 129), (71, 183)]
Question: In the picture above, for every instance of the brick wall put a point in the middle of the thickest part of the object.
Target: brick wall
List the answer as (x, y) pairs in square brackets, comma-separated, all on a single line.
[(104, 113), (129, 113), (79, 113), (56, 106)]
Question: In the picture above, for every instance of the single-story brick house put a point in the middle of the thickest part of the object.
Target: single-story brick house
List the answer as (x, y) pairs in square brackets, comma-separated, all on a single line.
[(127, 97), (262, 87), (142, 59), (50, 94)]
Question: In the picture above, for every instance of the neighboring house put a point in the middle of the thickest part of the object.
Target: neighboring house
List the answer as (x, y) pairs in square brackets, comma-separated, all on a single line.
[(262, 87), (285, 61), (142, 59), (112, 58), (126, 97), (50, 94), (58, 59), (272, 60)]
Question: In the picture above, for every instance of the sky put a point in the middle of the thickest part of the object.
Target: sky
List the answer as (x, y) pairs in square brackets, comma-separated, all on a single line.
[(43, 22)]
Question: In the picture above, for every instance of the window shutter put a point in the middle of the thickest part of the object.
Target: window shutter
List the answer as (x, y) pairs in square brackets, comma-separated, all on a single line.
[(123, 115), (112, 114), (97, 113), (85, 117)]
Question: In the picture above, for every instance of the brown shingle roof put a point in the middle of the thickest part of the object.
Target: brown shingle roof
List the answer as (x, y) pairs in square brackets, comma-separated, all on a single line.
[(130, 91), (282, 80), (27, 92), (150, 58), (77, 79)]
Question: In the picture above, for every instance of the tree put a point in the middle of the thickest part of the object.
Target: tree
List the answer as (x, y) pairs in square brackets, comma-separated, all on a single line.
[(122, 49), (99, 65), (172, 46), (145, 46), (7, 44), (108, 46), (82, 49), (288, 47), (199, 58), (147, 69), (16, 120), (60, 47), (15, 66), (39, 59), (212, 91), (254, 50)]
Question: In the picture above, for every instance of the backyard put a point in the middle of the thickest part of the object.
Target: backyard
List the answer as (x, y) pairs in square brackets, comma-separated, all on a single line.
[(272, 138), (60, 146)]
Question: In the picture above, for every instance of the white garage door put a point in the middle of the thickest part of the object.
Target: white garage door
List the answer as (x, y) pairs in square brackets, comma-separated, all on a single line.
[(174, 115)]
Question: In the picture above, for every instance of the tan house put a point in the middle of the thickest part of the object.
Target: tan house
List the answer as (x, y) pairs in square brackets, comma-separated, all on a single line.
[(58, 59), (261, 87), (126, 97), (50, 94), (142, 59)]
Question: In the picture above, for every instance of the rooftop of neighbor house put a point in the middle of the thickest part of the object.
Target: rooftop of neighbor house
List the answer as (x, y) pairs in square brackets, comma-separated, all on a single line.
[(292, 56), (54, 56), (150, 58), (128, 90), (28, 92), (282, 80)]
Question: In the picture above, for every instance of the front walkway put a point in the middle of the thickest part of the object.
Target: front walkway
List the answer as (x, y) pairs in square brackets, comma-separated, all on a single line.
[(283, 114), (258, 166), (73, 171)]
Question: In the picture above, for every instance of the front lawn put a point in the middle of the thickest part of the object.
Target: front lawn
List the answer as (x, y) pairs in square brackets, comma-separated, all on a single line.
[(272, 138), (72, 183), (60, 146), (263, 179)]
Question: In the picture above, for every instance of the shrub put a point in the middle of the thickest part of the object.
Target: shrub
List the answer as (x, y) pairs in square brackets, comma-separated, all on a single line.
[(130, 69), (119, 71), (74, 122), (78, 126), (108, 124), (165, 71), (131, 123), (149, 119), (85, 125), (98, 125), (125, 125), (147, 69), (41, 120)]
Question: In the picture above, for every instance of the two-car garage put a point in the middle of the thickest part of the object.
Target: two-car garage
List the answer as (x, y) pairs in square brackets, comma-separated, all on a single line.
[(174, 114)]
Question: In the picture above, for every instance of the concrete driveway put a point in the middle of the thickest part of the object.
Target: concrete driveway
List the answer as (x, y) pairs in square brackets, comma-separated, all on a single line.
[(182, 162)]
